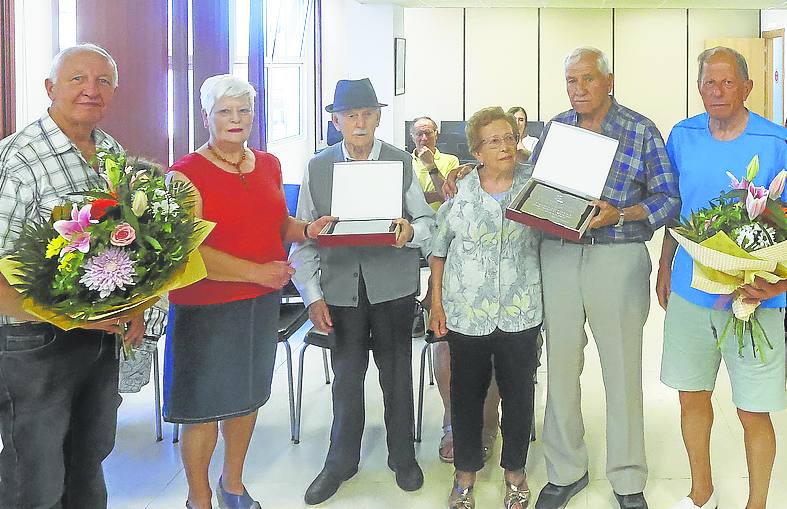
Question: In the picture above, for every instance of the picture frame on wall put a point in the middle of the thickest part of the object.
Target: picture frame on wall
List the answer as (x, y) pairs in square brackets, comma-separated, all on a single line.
[(400, 51)]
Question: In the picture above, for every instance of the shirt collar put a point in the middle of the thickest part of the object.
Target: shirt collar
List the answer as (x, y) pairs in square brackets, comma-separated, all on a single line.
[(374, 155), (609, 118)]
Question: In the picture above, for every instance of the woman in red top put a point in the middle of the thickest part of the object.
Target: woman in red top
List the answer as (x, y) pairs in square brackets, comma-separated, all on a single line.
[(222, 331)]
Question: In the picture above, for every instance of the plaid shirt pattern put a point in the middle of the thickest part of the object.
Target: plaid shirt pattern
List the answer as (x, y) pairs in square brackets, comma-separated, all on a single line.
[(641, 173), (39, 166)]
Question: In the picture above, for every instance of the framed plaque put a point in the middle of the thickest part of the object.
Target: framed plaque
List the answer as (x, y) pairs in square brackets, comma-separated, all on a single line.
[(366, 197), (570, 173)]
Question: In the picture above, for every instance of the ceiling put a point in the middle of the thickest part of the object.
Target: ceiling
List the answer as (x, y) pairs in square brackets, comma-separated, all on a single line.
[(646, 4)]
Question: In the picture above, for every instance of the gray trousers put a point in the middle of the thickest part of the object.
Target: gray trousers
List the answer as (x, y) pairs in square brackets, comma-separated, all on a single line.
[(607, 286)]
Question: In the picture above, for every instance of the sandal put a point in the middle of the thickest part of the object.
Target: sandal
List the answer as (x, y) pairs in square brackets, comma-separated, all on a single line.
[(461, 498), (517, 495), (446, 449)]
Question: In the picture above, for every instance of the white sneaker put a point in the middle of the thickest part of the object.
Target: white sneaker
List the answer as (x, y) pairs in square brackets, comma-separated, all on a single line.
[(687, 503)]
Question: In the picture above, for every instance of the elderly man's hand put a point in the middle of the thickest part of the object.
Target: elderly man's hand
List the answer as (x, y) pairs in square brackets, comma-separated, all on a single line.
[(320, 316), (425, 155), (135, 331), (458, 173), (761, 290), (607, 215), (404, 233)]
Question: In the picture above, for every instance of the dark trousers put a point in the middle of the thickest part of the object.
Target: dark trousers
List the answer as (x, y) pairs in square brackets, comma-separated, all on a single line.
[(58, 413), (515, 356), (389, 324)]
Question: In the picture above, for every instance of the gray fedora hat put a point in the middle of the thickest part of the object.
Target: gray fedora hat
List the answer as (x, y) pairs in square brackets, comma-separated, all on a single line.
[(351, 94)]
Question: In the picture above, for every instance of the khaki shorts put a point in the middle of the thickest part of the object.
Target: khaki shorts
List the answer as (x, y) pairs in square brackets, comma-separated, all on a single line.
[(690, 360)]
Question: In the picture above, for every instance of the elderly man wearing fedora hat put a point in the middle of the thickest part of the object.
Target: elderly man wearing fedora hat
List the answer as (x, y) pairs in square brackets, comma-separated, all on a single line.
[(365, 296)]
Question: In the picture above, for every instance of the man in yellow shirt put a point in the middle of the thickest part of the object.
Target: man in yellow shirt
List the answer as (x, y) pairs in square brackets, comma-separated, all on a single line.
[(429, 164)]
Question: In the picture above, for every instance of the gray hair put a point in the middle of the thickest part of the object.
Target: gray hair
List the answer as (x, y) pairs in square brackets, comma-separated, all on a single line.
[(740, 61), (602, 62), (416, 119), (224, 85), (57, 62)]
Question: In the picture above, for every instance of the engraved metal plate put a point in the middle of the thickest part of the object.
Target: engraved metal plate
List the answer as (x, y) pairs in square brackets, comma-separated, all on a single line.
[(556, 206)]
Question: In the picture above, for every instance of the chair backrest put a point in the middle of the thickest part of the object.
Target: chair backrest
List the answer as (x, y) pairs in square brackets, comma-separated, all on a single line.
[(409, 144), (333, 135), (291, 195), (534, 128)]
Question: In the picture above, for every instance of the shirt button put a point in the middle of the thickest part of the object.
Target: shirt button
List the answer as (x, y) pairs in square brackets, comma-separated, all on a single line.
[(355, 274), (355, 298)]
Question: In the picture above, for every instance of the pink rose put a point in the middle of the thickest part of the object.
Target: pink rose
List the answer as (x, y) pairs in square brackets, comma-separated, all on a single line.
[(123, 235)]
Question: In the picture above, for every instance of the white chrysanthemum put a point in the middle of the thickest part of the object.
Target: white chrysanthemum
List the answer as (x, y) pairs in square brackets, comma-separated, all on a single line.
[(753, 236)]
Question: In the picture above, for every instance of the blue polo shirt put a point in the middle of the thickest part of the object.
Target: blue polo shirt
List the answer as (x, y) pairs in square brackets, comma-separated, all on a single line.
[(701, 163)]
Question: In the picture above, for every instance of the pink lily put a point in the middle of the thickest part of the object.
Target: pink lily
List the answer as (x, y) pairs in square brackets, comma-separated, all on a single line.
[(756, 200), (75, 230), (777, 185), (735, 184)]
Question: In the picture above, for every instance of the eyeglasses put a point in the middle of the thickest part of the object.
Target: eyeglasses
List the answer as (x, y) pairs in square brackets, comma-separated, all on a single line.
[(425, 132), (495, 142)]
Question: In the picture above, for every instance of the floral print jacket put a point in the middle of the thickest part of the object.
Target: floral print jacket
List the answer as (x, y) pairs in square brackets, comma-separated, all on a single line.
[(492, 275)]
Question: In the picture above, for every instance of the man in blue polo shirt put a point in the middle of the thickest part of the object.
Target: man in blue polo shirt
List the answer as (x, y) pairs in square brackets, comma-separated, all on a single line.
[(702, 149)]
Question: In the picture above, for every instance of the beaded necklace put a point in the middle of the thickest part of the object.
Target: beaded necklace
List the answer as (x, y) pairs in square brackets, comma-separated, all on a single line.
[(234, 165)]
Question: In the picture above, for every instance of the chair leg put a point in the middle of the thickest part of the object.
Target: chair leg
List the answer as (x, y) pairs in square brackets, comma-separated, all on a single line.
[(431, 363), (296, 434), (175, 433), (420, 415), (290, 388), (325, 366), (157, 395)]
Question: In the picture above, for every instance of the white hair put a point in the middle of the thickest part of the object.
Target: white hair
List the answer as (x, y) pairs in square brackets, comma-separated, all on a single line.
[(57, 62), (224, 85), (740, 61), (602, 63)]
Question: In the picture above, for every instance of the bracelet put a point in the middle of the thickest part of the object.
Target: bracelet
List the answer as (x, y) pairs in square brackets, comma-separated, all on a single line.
[(306, 231)]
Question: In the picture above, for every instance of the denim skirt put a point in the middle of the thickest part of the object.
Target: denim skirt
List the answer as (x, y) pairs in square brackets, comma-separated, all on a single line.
[(218, 362)]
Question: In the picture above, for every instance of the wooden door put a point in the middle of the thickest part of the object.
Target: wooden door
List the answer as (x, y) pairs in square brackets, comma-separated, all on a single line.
[(753, 50)]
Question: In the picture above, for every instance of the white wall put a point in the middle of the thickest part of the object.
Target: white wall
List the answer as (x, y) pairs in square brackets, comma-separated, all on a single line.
[(515, 55), (358, 43)]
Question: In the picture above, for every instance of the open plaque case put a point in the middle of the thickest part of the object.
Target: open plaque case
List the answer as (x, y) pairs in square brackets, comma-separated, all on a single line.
[(366, 197), (570, 173)]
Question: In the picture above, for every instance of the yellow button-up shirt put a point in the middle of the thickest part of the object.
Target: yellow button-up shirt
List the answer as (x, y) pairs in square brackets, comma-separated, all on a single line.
[(444, 162)]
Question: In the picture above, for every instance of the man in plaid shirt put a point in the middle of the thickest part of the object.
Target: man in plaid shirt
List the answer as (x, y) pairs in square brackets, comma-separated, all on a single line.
[(58, 389), (603, 280)]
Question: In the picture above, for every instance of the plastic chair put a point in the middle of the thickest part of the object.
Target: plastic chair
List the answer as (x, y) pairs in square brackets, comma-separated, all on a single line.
[(325, 341)]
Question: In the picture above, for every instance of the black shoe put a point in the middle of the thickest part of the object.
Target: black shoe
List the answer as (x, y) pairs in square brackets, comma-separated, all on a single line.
[(419, 324), (553, 496), (633, 501), (325, 485), (409, 477)]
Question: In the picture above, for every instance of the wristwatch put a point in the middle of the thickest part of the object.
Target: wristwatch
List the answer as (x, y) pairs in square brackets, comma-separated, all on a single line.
[(434, 171), (620, 219)]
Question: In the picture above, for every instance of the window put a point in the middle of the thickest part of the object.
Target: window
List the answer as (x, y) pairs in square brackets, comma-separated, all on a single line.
[(285, 30)]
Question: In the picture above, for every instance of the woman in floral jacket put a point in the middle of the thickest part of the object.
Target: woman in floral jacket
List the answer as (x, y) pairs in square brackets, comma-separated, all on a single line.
[(487, 302)]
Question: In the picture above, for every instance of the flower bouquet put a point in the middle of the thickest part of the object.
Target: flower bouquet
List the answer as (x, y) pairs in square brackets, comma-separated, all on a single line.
[(119, 247), (741, 235)]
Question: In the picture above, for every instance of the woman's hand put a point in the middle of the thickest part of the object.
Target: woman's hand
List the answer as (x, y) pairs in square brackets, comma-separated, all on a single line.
[(274, 274), (437, 321), (315, 227)]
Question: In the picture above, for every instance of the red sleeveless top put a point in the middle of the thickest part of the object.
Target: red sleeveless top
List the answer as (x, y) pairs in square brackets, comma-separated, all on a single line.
[(248, 221)]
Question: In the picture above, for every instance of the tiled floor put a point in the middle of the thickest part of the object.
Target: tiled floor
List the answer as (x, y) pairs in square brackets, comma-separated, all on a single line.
[(142, 473)]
